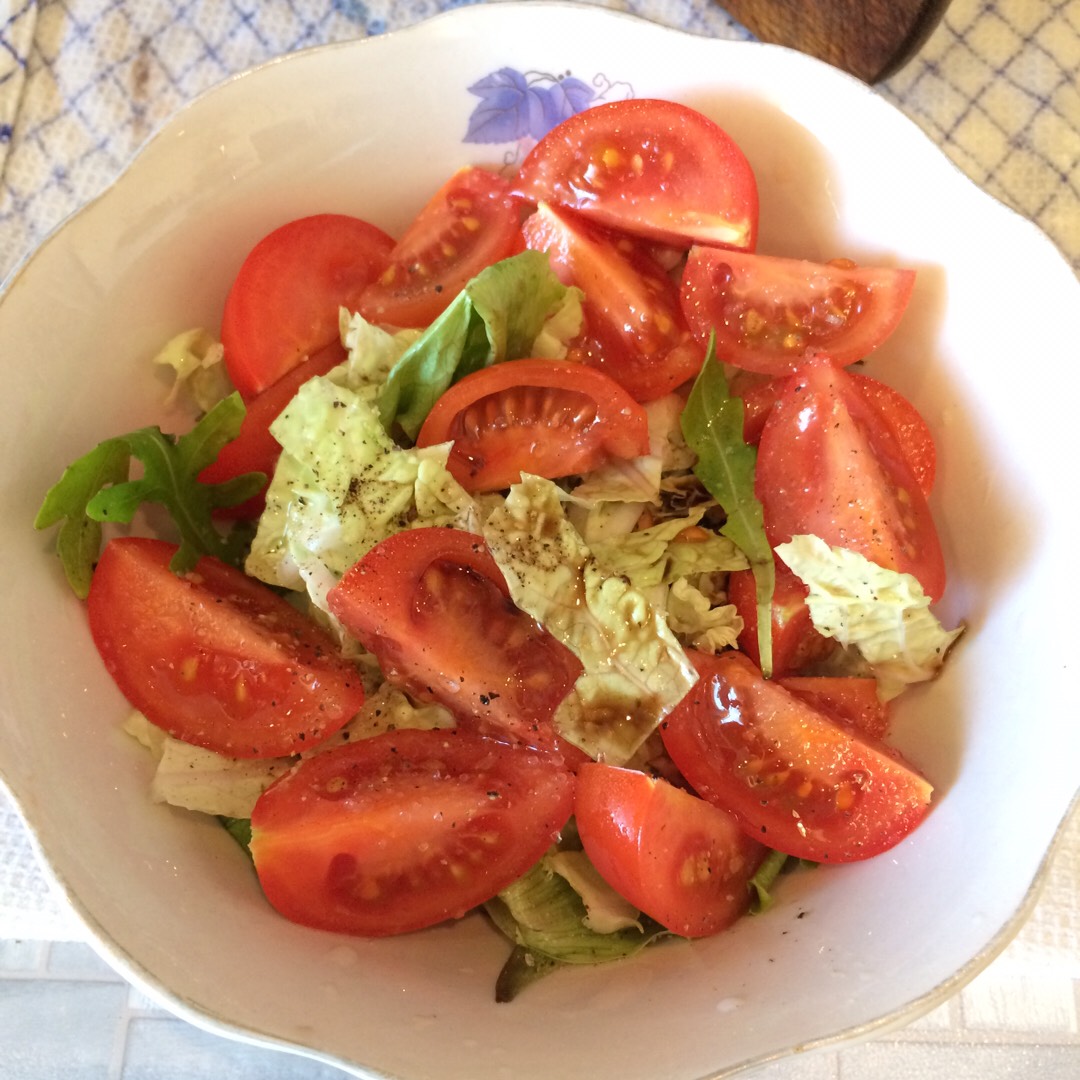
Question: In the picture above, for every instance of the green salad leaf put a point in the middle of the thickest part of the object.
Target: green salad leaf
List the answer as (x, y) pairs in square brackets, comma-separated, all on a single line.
[(548, 922), (498, 316), (712, 424), (96, 489)]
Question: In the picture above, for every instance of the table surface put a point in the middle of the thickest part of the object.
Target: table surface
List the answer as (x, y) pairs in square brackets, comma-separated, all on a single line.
[(84, 82)]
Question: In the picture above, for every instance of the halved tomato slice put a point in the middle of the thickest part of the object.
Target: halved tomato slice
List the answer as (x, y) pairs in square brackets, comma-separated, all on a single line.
[(548, 417), (794, 778), (769, 313), (214, 657), (283, 305), (652, 168), (471, 222), (850, 699), (677, 858), (404, 830), (634, 329), (759, 393), (830, 466), (433, 607)]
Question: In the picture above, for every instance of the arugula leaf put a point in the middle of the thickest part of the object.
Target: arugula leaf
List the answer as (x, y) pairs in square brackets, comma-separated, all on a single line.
[(97, 488), (496, 317), (712, 424), (763, 879)]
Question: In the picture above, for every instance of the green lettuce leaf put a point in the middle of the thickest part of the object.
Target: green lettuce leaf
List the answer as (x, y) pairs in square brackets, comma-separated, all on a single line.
[(545, 918), (884, 614), (713, 425), (96, 489), (497, 316), (635, 671)]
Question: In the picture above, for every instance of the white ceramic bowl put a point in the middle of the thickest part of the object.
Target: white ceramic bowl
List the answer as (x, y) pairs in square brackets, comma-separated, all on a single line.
[(372, 128)]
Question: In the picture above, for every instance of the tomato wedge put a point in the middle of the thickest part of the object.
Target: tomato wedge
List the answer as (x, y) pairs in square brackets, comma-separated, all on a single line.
[(470, 223), (795, 641), (793, 777), (680, 860), (255, 449), (651, 168), (214, 657), (769, 313), (635, 331), (551, 418), (283, 305), (848, 699), (405, 830), (759, 393), (433, 607), (830, 466)]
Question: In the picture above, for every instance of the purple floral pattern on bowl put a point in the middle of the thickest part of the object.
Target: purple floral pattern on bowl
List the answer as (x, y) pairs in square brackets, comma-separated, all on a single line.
[(522, 107)]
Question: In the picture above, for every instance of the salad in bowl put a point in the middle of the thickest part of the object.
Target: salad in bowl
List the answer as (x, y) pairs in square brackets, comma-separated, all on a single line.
[(560, 534)]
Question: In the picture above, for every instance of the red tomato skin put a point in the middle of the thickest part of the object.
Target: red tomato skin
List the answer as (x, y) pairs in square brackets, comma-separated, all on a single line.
[(214, 657), (405, 830), (471, 222), (847, 699), (770, 313), (283, 305), (759, 393), (680, 860), (907, 424), (434, 608), (829, 465), (793, 777), (655, 169), (551, 418), (255, 449), (634, 328), (795, 641)]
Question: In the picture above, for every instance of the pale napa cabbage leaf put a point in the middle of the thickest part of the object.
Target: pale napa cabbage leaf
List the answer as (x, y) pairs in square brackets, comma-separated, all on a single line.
[(673, 549), (884, 614), (638, 479), (700, 624), (341, 485), (196, 359), (635, 671), (203, 780)]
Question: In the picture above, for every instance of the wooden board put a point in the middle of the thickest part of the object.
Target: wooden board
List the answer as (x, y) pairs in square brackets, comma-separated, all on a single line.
[(870, 38)]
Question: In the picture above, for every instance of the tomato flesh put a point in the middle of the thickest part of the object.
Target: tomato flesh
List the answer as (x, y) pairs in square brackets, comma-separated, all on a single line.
[(680, 860), (770, 313), (283, 305), (404, 830), (547, 417), (795, 641), (829, 465), (634, 329), (214, 657), (471, 222), (652, 168), (433, 607), (792, 776)]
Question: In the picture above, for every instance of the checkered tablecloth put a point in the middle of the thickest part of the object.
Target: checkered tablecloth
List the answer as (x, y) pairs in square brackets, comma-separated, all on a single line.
[(83, 83)]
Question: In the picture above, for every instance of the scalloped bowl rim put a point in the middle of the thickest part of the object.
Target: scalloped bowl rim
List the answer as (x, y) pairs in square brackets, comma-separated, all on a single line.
[(216, 1010)]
